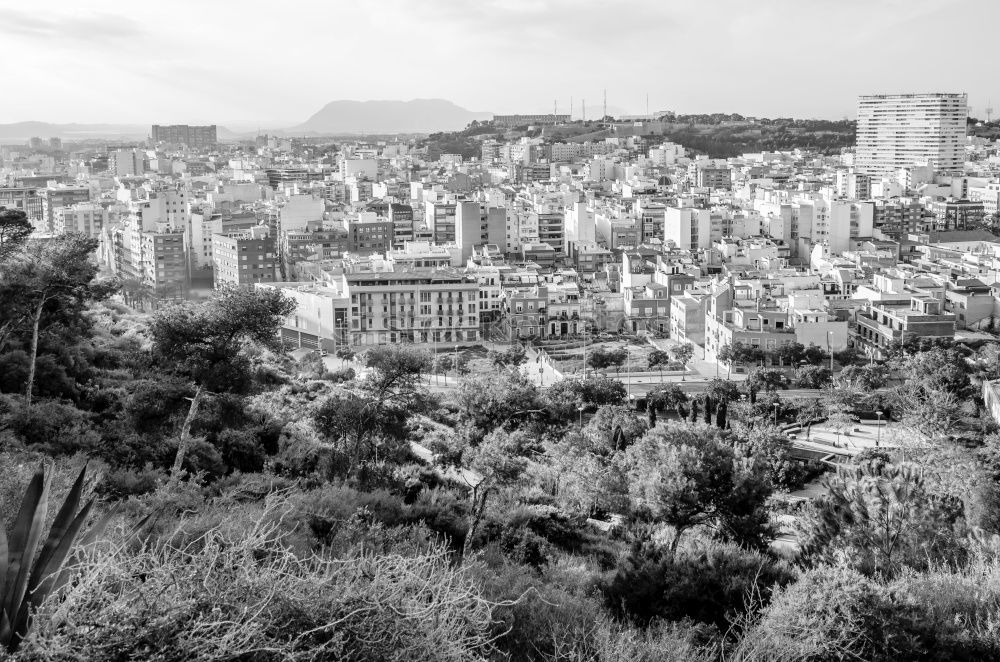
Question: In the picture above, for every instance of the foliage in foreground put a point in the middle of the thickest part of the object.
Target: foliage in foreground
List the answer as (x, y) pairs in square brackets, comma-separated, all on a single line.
[(238, 591)]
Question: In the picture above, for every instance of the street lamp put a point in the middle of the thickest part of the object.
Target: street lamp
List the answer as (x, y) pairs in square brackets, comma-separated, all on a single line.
[(776, 405), (878, 434)]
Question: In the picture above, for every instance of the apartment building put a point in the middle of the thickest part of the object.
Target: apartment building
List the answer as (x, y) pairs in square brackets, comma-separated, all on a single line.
[(902, 130), (688, 228), (195, 137), (163, 261), (26, 199), (412, 305), (87, 218), (244, 258), (54, 197)]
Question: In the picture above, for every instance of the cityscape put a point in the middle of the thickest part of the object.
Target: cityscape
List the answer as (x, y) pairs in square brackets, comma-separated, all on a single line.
[(408, 381)]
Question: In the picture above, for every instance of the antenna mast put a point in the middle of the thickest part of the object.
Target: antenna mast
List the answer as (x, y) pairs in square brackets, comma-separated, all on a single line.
[(605, 104)]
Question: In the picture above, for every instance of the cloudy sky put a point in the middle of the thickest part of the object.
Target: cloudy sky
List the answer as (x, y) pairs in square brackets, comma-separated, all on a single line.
[(276, 63)]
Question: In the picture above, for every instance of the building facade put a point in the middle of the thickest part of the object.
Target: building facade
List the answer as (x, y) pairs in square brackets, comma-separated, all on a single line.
[(902, 130)]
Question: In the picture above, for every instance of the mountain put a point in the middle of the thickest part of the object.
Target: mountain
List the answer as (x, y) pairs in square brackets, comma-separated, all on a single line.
[(416, 116), (22, 131)]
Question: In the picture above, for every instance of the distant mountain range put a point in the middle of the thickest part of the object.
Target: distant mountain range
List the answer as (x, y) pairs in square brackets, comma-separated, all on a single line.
[(335, 118), (416, 116)]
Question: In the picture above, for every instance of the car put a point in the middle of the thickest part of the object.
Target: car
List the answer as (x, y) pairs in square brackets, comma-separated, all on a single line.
[(321, 352)]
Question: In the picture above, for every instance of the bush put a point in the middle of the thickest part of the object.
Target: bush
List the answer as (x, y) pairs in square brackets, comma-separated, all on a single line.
[(339, 376), (243, 594), (240, 450), (708, 585), (835, 614), (52, 427), (119, 484)]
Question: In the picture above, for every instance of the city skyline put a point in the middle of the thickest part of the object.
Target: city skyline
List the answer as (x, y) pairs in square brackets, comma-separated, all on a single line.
[(246, 64)]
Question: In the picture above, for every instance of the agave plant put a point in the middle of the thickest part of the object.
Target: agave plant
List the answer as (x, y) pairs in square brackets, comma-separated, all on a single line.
[(26, 580)]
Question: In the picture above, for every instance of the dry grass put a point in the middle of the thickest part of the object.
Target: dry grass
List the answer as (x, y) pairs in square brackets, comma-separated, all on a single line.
[(237, 592)]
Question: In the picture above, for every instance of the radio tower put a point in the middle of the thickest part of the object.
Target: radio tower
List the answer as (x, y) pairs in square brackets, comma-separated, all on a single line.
[(989, 111), (605, 104), (571, 109), (584, 110)]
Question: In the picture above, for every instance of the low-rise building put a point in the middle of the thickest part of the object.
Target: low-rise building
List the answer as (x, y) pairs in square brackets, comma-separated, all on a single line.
[(881, 324)]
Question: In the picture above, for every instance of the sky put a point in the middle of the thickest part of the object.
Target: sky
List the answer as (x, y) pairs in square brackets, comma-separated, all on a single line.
[(242, 63)]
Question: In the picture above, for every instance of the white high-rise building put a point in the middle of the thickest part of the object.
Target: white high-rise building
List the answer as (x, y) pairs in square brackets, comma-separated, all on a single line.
[(901, 130)]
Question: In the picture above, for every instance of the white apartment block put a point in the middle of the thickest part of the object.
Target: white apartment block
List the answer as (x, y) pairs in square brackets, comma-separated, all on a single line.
[(901, 130), (688, 228)]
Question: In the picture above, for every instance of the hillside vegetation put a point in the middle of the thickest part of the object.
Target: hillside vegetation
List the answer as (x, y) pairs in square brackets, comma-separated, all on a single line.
[(251, 507)]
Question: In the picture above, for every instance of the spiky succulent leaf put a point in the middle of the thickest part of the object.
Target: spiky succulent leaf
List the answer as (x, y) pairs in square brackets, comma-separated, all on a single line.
[(24, 539), (3, 566), (64, 519), (5, 633), (44, 578)]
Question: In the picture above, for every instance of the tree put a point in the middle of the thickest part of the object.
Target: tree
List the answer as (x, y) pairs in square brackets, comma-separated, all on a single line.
[(510, 358), (720, 415), (486, 403), (685, 475), (839, 420), (669, 396), (938, 370), (880, 517), (599, 359), (766, 379), (849, 356), (771, 452), (345, 354), (789, 353), (723, 390), (657, 359), (564, 397), (612, 428), (206, 342), (683, 353), (813, 355), (741, 353), (495, 462), (865, 378), (15, 228), (812, 376), (808, 413), (617, 357), (356, 420), (47, 280)]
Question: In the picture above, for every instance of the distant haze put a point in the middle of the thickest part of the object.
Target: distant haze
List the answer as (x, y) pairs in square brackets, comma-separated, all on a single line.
[(271, 65)]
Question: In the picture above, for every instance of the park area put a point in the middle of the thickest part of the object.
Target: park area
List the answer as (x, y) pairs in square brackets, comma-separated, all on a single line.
[(631, 355)]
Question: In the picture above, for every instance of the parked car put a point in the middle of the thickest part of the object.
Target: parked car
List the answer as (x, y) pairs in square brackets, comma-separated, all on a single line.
[(321, 352)]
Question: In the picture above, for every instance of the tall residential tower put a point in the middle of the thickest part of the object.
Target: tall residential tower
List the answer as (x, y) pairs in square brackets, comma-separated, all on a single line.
[(901, 130)]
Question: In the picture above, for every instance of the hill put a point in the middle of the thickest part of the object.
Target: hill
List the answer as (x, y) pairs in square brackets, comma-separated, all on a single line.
[(416, 116)]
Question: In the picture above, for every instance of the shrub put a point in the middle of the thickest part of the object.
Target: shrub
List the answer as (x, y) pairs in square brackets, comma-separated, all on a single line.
[(339, 376), (243, 594), (120, 484), (709, 585)]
